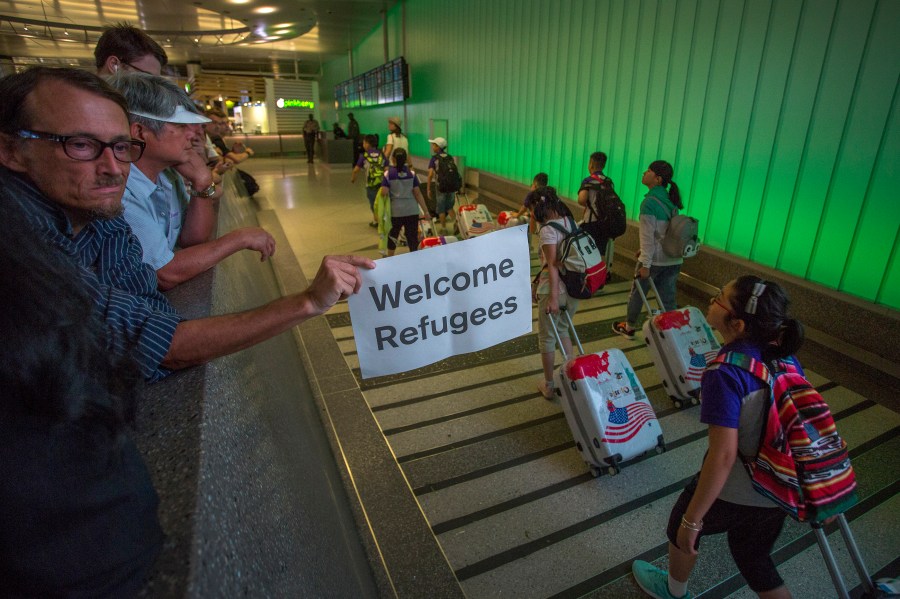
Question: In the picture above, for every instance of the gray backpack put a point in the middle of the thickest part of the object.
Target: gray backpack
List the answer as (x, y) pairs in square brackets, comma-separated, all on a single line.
[(681, 239)]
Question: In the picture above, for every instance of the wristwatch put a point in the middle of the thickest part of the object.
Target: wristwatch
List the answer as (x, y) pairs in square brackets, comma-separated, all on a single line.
[(206, 193)]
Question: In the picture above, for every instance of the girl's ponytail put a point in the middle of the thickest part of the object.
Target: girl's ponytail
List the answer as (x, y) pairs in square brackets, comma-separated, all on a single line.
[(675, 195), (792, 335), (664, 171)]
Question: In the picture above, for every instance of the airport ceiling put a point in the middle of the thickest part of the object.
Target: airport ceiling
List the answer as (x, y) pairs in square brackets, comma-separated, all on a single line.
[(242, 36)]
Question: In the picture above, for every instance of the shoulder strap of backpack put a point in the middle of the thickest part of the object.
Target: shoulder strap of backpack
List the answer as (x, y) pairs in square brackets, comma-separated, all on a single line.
[(558, 227), (760, 371), (671, 212), (590, 204), (745, 362)]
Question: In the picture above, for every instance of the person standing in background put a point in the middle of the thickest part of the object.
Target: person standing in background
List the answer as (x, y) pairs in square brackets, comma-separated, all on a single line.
[(310, 133), (396, 139), (353, 133)]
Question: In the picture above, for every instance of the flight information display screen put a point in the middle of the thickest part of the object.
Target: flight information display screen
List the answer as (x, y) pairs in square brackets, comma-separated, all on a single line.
[(382, 85)]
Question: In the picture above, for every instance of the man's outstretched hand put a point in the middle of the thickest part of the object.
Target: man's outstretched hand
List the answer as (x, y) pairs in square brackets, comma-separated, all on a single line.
[(338, 278)]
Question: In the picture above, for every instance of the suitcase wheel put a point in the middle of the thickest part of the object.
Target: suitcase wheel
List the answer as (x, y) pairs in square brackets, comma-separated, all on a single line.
[(612, 470), (678, 403), (595, 472)]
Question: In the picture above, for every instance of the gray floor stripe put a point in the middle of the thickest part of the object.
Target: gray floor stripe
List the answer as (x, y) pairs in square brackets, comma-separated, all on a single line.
[(479, 410), (474, 440)]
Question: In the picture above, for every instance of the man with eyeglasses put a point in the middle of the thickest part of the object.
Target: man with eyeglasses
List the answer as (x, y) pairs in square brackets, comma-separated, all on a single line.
[(124, 49), (66, 171), (154, 198)]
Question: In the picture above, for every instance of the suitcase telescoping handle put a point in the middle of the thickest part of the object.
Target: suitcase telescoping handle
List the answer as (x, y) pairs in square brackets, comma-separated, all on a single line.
[(640, 289), (855, 556), (571, 326)]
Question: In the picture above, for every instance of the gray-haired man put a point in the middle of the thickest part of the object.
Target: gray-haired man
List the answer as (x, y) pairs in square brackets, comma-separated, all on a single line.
[(154, 195)]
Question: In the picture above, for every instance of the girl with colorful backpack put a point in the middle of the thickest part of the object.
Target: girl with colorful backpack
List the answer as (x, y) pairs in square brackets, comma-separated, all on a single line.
[(751, 314)]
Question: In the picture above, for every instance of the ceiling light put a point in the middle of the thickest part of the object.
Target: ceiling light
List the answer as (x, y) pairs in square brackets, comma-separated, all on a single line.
[(264, 10), (284, 25), (239, 1), (283, 31)]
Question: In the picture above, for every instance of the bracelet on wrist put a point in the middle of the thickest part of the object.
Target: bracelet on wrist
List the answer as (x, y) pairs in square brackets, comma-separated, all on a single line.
[(695, 526)]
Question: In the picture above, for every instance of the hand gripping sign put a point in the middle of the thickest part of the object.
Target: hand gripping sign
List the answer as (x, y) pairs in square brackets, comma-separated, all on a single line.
[(421, 307)]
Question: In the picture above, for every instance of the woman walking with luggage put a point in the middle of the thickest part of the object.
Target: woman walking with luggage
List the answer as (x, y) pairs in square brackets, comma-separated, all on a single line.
[(659, 206), (403, 187), (751, 315), (548, 289)]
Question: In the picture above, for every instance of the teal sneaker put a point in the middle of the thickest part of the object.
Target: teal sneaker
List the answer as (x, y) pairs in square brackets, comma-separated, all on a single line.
[(653, 581)]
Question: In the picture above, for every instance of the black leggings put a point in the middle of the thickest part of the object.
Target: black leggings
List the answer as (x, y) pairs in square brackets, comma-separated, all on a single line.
[(752, 532), (411, 225)]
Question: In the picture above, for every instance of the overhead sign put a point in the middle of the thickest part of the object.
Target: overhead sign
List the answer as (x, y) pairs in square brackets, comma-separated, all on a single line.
[(417, 308), (292, 103)]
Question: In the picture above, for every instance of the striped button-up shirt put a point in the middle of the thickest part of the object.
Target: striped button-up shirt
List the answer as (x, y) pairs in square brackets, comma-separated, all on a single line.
[(139, 320)]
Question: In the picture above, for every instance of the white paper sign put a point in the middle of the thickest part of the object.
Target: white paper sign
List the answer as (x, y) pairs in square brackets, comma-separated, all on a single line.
[(417, 308)]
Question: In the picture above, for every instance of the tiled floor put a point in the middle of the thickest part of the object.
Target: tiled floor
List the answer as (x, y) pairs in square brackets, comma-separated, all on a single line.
[(493, 466)]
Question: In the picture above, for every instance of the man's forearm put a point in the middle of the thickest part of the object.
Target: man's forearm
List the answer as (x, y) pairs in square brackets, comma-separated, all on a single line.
[(199, 222), (199, 341), (191, 261)]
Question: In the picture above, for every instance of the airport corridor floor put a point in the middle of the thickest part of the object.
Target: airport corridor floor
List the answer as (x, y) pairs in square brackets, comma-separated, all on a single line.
[(494, 468)]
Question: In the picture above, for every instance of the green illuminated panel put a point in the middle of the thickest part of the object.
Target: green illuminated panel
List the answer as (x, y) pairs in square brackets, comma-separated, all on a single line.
[(803, 79), (727, 203), (679, 65), (829, 117), (778, 115), (767, 108), (694, 108), (712, 130), (867, 119)]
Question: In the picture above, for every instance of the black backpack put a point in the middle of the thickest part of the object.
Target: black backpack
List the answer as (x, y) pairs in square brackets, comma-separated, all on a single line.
[(448, 177), (249, 182), (608, 210)]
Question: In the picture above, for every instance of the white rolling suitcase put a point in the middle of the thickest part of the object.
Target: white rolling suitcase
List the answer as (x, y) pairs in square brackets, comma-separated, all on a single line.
[(427, 226), (681, 344), (606, 407), (473, 220), (508, 218)]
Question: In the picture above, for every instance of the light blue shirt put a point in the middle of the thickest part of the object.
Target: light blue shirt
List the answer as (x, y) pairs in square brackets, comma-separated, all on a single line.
[(155, 212)]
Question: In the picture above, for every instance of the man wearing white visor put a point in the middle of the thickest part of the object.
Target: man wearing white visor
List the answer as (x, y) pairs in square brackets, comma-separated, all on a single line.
[(174, 233)]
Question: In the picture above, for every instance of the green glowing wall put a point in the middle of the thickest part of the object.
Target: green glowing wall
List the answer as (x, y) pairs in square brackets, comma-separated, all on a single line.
[(780, 117)]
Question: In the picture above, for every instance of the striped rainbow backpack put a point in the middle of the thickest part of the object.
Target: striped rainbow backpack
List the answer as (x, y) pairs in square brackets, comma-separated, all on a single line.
[(802, 463)]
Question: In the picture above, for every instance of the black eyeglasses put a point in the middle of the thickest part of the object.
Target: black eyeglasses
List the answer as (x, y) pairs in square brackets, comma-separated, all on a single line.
[(138, 69), (81, 147)]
